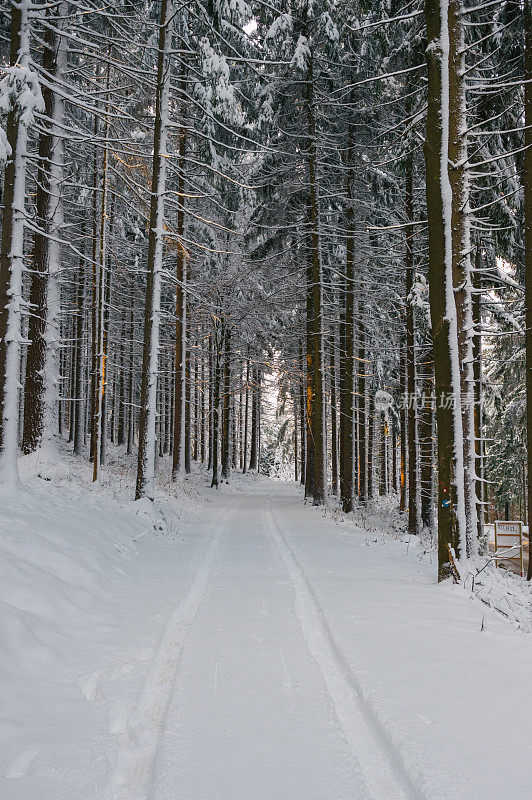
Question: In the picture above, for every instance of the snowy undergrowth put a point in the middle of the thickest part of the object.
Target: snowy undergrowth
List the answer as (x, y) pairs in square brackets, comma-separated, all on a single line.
[(500, 590), (78, 563)]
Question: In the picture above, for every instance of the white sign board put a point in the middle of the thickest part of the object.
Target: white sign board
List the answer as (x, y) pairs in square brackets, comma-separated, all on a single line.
[(509, 544)]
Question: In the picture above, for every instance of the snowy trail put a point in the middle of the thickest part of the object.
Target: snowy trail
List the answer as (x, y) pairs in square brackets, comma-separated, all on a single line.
[(251, 716), (381, 765), (138, 743), (262, 650)]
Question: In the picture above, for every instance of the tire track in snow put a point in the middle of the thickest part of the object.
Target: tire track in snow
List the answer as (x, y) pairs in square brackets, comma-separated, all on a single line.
[(138, 745), (380, 763)]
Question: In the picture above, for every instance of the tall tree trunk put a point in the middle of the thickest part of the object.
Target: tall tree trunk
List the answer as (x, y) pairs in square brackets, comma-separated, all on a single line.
[(203, 392), (255, 412), (226, 450), (131, 383), (383, 485), (246, 417), (413, 489), (105, 337), (216, 407), (210, 414), (99, 373), (302, 423), (148, 403), (41, 388), (451, 502), (461, 256), (77, 436), (347, 348), (296, 444), (188, 410), (319, 487), (394, 456), (371, 442), (12, 249), (309, 406), (477, 375), (528, 249), (334, 427), (94, 295), (426, 450), (362, 417), (178, 453), (402, 426)]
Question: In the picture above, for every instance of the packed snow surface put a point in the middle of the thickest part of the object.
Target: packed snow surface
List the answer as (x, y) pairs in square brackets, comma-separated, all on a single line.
[(253, 649)]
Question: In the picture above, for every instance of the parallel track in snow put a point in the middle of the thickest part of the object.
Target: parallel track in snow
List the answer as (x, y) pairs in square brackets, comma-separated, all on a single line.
[(133, 773), (381, 765)]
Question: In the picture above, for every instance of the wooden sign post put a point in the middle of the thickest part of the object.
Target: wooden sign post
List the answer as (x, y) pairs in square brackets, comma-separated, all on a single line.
[(509, 537)]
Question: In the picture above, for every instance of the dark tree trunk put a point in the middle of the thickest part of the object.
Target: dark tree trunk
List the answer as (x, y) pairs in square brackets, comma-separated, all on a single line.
[(362, 417), (426, 450), (78, 410), (216, 410), (402, 427), (188, 411), (255, 414), (178, 450), (439, 280), (528, 248), (226, 449), (246, 417), (347, 345), (371, 443), (334, 428), (34, 388), (411, 353), (477, 374), (319, 488)]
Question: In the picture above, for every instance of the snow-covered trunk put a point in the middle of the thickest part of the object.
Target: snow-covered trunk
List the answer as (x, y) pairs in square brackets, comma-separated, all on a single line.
[(202, 410), (302, 420), (528, 247), (425, 430), (362, 415), (334, 424), (52, 332), (41, 388), (148, 403), (100, 293), (226, 437), (131, 383), (178, 453), (451, 502), (255, 411), (347, 344), (402, 426), (309, 382), (188, 407), (21, 91), (77, 407), (246, 418), (216, 407), (461, 254), (105, 337), (413, 481), (319, 484), (371, 442), (476, 283)]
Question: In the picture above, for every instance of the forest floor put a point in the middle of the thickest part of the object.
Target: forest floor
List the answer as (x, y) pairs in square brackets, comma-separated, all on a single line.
[(245, 647)]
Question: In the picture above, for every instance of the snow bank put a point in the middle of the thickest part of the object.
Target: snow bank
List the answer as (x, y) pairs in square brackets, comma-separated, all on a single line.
[(78, 566)]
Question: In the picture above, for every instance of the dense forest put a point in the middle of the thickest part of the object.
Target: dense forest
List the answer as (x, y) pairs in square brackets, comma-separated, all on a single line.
[(293, 237)]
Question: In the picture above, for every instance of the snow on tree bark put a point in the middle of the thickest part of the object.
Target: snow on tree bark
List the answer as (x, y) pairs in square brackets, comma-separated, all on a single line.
[(147, 425)]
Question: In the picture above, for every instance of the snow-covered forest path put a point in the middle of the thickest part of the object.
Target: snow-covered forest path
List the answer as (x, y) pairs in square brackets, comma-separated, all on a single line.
[(263, 650), (307, 663)]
